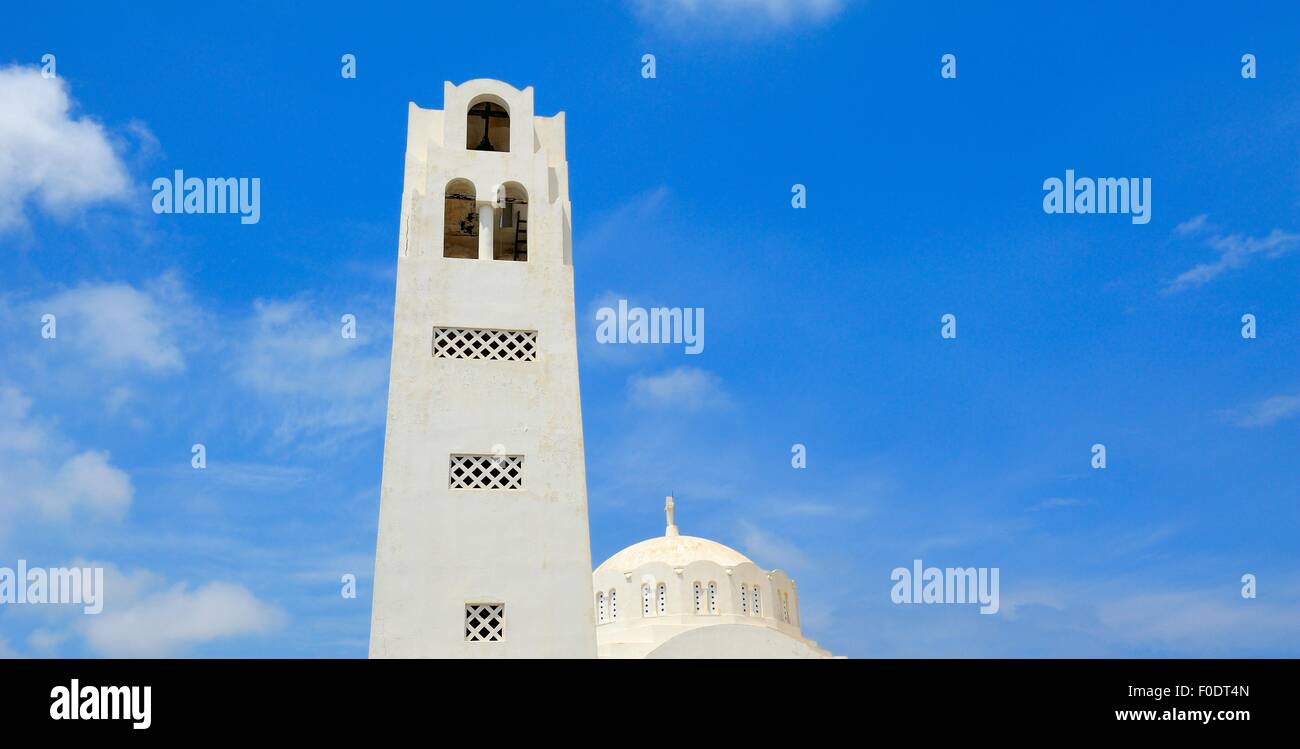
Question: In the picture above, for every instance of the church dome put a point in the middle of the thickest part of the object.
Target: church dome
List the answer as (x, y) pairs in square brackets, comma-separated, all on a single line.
[(678, 596), (675, 551)]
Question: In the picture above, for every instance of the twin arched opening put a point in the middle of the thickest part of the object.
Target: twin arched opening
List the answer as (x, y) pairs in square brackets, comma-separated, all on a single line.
[(464, 217)]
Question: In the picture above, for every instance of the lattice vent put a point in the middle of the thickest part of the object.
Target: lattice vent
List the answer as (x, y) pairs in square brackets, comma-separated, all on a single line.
[(485, 343), (485, 622), (487, 472)]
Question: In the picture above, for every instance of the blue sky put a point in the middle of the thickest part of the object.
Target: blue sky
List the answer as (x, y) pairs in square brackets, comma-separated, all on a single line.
[(924, 198)]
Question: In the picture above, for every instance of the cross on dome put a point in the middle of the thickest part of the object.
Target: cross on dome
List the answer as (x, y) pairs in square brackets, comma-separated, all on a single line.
[(671, 530)]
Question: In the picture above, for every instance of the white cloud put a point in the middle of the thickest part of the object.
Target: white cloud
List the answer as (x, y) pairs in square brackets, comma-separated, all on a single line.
[(1235, 251), (733, 14), (685, 388), (305, 379), (61, 162), (1266, 412), (144, 618), (85, 481), (115, 325), (40, 471)]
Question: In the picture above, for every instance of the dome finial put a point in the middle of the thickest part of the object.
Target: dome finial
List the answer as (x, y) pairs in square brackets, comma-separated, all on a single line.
[(671, 530)]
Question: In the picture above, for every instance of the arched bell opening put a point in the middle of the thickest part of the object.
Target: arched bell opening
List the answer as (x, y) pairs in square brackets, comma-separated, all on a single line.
[(510, 234)]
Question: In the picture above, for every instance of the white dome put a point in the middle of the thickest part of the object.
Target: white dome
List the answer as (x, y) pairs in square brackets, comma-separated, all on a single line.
[(675, 551), (678, 596)]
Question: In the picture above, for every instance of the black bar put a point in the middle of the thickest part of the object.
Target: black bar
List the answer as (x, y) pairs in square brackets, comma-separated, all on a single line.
[(441, 701)]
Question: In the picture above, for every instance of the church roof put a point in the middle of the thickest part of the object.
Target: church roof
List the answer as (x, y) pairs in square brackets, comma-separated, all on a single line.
[(675, 551)]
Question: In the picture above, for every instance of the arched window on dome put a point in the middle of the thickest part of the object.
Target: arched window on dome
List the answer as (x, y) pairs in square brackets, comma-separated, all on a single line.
[(785, 607), (613, 604), (600, 608), (699, 598), (756, 603), (645, 599), (713, 597), (663, 598), (744, 599)]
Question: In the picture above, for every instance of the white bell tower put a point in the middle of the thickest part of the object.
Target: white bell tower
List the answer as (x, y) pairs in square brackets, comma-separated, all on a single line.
[(484, 549)]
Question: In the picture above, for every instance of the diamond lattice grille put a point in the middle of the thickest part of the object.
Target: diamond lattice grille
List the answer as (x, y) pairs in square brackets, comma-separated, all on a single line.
[(485, 622), (487, 472), (485, 343)]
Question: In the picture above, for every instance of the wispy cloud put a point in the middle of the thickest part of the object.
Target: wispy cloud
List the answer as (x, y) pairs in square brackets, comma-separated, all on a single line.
[(635, 217), (257, 477), (770, 551), (58, 161), (292, 351), (1235, 251), (1203, 621), (1193, 225), (804, 509), (41, 472), (1056, 503), (1264, 413), (685, 388), (309, 385), (736, 15)]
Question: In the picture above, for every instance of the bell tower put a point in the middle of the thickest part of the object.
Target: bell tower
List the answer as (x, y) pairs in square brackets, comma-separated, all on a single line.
[(484, 549)]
